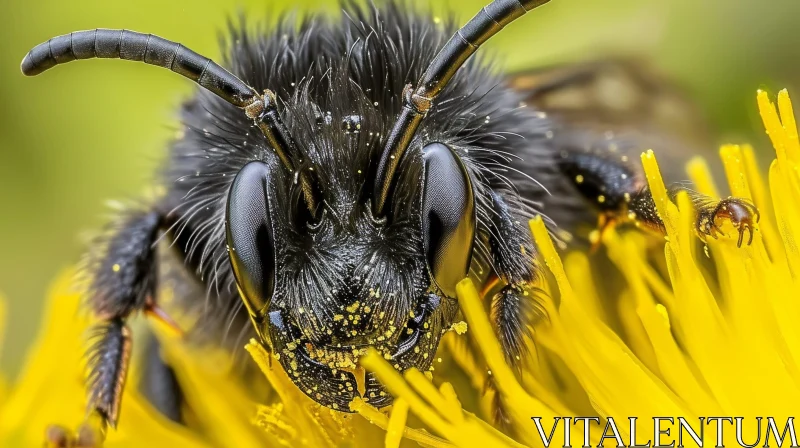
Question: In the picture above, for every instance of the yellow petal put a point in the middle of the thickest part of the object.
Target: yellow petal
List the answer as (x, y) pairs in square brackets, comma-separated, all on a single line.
[(51, 386)]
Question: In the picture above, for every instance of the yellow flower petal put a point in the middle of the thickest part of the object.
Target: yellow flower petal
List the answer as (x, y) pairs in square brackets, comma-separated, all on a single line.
[(701, 177), (51, 386), (397, 424), (460, 428), (221, 407)]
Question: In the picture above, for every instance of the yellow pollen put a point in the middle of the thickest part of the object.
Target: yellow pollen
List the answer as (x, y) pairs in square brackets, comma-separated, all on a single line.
[(459, 327)]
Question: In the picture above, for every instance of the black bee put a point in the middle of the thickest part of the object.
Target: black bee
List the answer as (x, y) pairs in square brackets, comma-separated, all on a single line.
[(340, 176)]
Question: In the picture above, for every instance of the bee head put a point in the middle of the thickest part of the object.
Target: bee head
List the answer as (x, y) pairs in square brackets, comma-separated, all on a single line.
[(320, 291)]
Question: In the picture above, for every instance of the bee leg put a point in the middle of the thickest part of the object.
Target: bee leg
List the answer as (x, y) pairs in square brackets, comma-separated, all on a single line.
[(621, 195), (123, 282), (514, 308), (742, 214), (159, 384)]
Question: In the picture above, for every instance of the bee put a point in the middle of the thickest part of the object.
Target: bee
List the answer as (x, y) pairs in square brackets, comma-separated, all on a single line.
[(337, 179)]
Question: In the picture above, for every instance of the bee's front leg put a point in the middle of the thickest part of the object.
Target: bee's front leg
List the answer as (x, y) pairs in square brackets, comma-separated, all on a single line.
[(514, 308), (121, 282), (620, 193)]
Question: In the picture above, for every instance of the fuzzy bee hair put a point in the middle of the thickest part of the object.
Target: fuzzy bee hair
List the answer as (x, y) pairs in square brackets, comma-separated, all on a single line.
[(325, 71)]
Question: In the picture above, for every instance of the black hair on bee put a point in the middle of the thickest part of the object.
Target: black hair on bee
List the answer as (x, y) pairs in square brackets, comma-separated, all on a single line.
[(336, 180)]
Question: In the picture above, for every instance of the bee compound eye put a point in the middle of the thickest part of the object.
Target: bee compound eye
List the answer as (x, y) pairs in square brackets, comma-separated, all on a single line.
[(249, 233), (448, 216)]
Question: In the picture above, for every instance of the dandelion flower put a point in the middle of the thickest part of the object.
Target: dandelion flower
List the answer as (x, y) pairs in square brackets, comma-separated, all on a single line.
[(689, 328)]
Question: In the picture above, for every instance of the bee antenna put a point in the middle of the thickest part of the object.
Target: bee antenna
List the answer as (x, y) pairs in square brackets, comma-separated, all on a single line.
[(155, 50), (418, 100)]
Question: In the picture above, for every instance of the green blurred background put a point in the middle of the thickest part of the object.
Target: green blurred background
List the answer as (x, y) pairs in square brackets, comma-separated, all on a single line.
[(93, 131)]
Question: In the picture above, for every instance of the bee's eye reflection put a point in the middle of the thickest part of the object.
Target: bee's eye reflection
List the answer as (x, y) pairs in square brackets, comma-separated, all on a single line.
[(448, 216), (250, 239)]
